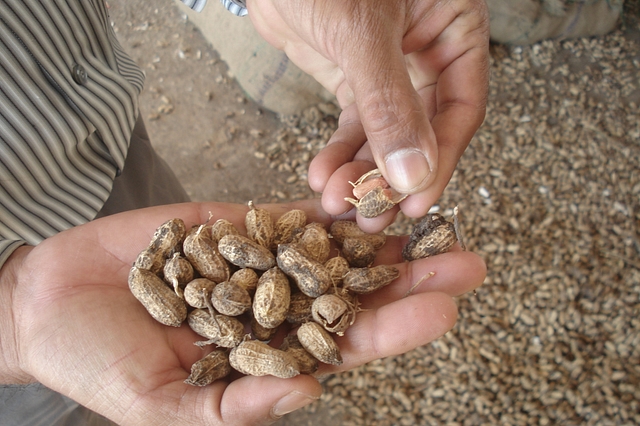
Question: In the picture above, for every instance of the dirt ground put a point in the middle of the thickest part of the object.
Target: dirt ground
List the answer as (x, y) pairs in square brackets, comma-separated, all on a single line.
[(198, 118), (550, 191)]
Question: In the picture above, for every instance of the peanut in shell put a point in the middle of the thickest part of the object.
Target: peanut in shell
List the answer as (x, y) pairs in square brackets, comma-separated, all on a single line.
[(359, 253), (315, 241), (300, 308), (246, 278), (259, 225), (307, 363), (230, 299), (272, 297), (286, 224), (222, 227), (311, 277), (368, 280), (333, 312), (151, 260), (164, 305), (373, 195), (319, 343), (210, 368), (256, 358), (168, 237), (246, 253), (222, 330), (203, 254), (342, 229), (178, 272), (197, 292), (338, 266), (431, 236)]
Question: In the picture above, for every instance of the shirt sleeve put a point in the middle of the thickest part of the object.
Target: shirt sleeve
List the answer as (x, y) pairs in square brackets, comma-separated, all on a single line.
[(237, 7), (7, 247), (196, 5)]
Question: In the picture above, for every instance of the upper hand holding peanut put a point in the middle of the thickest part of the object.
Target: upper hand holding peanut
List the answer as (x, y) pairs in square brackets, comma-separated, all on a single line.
[(411, 77)]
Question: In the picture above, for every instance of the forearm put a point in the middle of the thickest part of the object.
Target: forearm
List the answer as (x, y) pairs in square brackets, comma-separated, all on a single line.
[(10, 368)]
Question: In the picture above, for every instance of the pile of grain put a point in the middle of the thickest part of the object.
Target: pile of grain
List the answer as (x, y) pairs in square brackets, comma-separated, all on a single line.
[(550, 195)]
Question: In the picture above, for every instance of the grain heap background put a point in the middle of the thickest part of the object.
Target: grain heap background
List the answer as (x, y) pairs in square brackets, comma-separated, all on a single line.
[(549, 192)]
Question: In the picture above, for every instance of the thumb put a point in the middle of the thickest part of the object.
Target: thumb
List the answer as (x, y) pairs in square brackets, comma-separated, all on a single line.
[(263, 400), (393, 115)]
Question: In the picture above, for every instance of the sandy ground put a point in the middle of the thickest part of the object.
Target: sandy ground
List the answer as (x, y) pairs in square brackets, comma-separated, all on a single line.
[(198, 118)]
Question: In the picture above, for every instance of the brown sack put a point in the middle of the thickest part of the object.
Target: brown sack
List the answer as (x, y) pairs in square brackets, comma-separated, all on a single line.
[(264, 72), (523, 22)]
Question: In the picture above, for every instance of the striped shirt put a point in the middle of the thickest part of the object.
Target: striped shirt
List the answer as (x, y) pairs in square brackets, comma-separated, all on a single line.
[(68, 104)]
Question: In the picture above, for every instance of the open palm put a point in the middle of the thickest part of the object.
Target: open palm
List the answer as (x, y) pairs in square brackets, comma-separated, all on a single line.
[(78, 329)]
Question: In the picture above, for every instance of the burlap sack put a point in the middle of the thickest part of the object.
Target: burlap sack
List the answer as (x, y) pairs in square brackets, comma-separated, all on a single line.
[(523, 22), (264, 72)]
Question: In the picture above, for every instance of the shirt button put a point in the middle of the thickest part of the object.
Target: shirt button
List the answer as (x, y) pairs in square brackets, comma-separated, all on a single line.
[(80, 75)]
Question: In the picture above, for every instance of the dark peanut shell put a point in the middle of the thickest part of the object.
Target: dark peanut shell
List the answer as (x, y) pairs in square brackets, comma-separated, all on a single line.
[(311, 277), (207, 370), (368, 280), (246, 253), (230, 299), (259, 359), (300, 308), (341, 229), (307, 363), (157, 297), (319, 343), (168, 237), (203, 254), (431, 236), (360, 253), (151, 260), (271, 301), (222, 330)]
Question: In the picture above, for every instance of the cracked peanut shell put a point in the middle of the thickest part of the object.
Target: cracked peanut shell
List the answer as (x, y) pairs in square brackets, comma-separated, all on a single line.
[(373, 195), (431, 236)]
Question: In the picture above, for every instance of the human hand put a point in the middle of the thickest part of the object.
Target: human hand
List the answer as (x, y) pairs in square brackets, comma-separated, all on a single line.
[(70, 322), (412, 79)]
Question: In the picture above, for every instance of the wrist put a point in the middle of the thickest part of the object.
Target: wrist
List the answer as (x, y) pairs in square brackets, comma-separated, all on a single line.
[(11, 371)]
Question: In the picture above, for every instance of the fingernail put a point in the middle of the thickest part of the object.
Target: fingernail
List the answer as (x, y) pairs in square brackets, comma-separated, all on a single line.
[(407, 169), (291, 402)]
